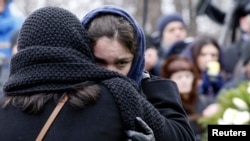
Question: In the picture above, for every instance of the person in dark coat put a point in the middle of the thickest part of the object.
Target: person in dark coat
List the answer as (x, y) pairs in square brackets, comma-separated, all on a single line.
[(119, 45), (55, 60), (171, 28), (185, 74), (151, 55)]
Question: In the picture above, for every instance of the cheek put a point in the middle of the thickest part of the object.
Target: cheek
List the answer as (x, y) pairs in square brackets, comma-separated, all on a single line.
[(201, 62), (167, 37), (185, 85), (127, 69), (184, 34)]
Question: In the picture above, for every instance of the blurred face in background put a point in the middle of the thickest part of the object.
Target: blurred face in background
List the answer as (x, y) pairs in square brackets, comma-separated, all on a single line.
[(184, 80), (2, 5), (207, 54), (174, 31), (113, 55), (151, 58), (247, 69), (245, 23)]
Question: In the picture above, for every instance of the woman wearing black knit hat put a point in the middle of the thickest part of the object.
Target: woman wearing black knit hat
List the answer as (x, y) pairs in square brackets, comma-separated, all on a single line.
[(53, 71), (119, 45)]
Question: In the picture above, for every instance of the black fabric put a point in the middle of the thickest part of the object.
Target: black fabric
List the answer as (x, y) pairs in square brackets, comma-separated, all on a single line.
[(54, 55), (164, 95), (213, 12), (97, 122)]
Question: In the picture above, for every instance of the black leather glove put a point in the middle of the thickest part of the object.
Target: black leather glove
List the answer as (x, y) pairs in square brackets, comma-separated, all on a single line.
[(147, 133)]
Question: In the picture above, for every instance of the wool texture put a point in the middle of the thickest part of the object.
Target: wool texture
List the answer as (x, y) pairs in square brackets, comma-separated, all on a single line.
[(55, 55)]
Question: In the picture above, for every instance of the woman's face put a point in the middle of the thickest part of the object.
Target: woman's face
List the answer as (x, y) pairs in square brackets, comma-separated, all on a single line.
[(151, 58), (112, 55), (184, 80), (207, 54)]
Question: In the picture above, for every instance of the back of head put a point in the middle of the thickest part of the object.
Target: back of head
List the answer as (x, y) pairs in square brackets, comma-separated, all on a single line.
[(50, 41), (177, 47), (53, 26)]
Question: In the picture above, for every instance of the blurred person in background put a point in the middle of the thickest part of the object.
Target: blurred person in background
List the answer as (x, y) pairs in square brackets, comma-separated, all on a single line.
[(13, 42), (119, 45), (9, 23), (184, 73), (206, 55), (151, 55), (234, 52), (177, 47), (171, 28), (237, 21), (5, 71), (242, 68)]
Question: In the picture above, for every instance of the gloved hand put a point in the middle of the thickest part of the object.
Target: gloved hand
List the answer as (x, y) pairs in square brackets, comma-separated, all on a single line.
[(147, 133)]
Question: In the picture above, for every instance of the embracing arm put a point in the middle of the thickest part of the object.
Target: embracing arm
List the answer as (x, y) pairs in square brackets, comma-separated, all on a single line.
[(164, 96)]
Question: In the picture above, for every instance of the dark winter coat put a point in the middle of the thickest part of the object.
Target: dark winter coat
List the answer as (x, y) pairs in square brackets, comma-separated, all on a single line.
[(60, 62), (98, 122), (175, 123)]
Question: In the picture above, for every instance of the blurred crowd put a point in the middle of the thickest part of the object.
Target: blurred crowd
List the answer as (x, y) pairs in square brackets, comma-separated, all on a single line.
[(200, 66)]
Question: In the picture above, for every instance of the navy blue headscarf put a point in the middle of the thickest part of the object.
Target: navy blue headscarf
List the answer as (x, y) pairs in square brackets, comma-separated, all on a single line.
[(137, 67)]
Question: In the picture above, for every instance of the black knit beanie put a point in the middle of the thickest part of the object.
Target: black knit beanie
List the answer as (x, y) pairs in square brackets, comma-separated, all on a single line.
[(51, 42)]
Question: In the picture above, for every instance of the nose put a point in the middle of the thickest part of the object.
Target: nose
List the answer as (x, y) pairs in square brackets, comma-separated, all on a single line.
[(111, 68), (209, 58)]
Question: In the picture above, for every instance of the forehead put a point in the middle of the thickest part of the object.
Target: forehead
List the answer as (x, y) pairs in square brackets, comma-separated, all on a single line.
[(106, 48), (209, 48), (174, 24)]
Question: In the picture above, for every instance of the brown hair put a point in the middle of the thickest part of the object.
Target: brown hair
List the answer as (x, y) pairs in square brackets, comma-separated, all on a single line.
[(177, 63), (80, 97), (113, 27), (199, 43)]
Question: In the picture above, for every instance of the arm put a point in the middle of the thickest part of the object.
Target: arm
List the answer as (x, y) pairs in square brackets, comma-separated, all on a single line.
[(164, 96), (146, 133)]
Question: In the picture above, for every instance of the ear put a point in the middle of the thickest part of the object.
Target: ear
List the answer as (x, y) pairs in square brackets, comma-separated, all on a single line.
[(243, 22)]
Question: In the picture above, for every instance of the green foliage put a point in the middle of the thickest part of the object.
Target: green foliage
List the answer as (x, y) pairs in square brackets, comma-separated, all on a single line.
[(230, 98)]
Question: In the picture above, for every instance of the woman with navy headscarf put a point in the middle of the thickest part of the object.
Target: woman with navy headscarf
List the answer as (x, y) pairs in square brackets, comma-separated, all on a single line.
[(119, 44)]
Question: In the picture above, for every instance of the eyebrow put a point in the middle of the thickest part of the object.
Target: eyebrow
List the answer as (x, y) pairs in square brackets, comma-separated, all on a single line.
[(120, 59)]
